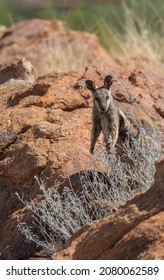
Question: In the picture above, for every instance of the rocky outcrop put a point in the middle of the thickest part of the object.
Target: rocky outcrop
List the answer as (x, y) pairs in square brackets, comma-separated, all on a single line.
[(38, 121), (20, 70), (50, 48), (136, 231), (46, 121)]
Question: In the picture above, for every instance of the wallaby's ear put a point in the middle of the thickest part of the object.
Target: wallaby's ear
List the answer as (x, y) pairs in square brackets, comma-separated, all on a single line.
[(90, 85), (108, 81)]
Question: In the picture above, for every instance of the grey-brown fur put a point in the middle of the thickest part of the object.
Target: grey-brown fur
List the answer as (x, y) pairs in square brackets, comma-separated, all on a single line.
[(115, 120), (106, 116)]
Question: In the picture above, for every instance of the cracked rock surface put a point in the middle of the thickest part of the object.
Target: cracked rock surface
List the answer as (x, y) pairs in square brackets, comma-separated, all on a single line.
[(45, 131)]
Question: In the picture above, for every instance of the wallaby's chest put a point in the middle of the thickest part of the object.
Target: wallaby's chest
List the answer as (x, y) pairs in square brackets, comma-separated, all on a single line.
[(107, 122)]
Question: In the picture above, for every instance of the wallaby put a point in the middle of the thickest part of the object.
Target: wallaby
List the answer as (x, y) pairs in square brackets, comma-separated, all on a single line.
[(106, 116), (114, 119)]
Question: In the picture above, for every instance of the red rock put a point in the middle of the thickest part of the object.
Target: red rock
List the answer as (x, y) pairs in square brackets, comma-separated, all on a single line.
[(50, 48), (159, 106), (136, 231), (45, 129), (18, 70)]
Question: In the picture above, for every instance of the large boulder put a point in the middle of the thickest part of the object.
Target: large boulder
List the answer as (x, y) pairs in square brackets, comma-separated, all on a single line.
[(136, 231), (45, 131), (50, 47)]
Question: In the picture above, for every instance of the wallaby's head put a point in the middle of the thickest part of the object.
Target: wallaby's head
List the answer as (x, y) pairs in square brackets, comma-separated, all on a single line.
[(101, 95)]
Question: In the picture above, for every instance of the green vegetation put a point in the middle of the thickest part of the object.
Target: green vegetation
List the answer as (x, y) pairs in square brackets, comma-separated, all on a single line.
[(127, 27), (3, 13)]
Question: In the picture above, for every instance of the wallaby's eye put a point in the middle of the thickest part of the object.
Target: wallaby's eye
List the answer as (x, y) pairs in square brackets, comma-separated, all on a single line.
[(107, 97), (96, 98)]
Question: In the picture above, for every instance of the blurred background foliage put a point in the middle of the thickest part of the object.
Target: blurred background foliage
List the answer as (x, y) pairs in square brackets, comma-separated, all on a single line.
[(120, 25)]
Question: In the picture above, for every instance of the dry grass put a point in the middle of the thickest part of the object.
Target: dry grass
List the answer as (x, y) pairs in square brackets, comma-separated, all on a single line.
[(130, 29), (127, 29), (61, 213)]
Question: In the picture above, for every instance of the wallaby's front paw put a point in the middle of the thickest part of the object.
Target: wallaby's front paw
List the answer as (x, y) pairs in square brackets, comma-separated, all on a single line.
[(92, 151), (111, 150)]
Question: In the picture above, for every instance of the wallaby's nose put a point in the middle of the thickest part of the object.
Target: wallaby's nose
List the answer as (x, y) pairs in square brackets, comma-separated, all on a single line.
[(103, 109)]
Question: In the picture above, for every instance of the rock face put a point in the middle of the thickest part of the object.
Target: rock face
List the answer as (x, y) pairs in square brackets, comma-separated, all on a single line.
[(45, 131), (136, 86), (20, 70), (136, 231), (45, 128), (50, 48)]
